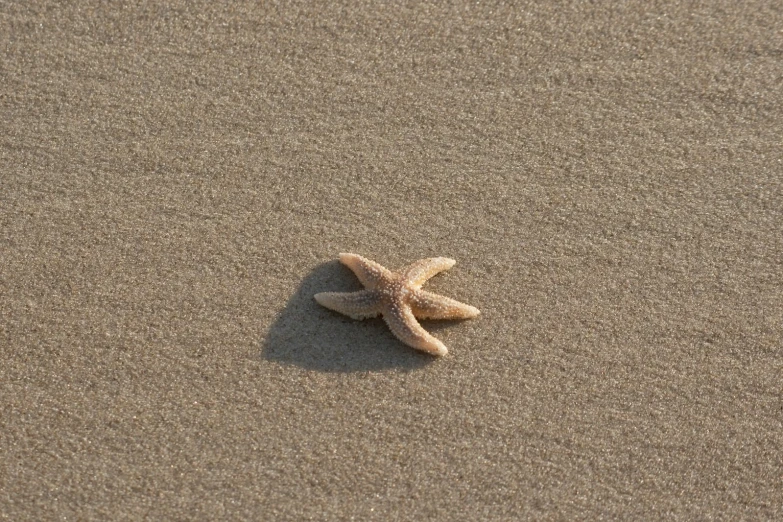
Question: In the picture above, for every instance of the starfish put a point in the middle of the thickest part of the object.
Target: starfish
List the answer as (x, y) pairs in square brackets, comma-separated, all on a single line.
[(398, 297)]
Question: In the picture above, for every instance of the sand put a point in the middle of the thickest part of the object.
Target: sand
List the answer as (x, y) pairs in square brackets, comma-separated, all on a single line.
[(178, 178)]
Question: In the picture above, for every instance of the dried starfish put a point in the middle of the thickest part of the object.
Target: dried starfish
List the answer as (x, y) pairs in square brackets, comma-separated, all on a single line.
[(398, 297)]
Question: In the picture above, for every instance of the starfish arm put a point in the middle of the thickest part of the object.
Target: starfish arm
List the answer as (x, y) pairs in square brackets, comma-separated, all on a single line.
[(404, 326), (357, 305), (426, 305), (370, 273), (418, 273)]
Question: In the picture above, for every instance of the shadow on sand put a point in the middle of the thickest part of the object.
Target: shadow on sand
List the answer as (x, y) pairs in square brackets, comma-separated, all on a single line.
[(306, 334)]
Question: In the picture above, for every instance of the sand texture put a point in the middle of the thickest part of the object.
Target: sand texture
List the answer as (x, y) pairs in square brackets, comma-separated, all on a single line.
[(177, 180)]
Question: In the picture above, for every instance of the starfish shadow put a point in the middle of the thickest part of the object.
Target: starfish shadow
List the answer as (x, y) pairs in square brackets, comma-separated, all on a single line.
[(308, 335)]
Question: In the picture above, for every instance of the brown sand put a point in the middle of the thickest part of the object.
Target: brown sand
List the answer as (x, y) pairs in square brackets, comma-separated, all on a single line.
[(177, 179)]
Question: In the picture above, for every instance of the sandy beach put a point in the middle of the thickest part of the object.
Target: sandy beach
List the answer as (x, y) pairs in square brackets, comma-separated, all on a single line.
[(177, 180)]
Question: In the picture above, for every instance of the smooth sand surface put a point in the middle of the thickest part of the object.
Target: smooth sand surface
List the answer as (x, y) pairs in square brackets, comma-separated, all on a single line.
[(177, 179)]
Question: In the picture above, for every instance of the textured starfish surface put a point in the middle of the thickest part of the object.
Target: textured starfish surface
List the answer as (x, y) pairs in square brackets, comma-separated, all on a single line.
[(398, 297)]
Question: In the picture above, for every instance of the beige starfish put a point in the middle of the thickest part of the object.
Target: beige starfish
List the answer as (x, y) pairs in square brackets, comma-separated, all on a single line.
[(399, 298)]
